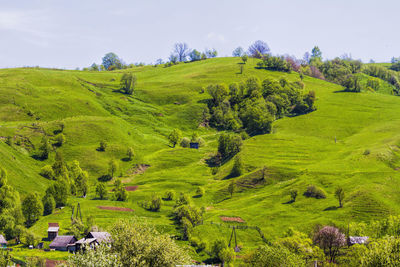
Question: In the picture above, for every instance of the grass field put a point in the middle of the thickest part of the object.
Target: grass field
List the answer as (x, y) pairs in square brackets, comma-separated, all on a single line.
[(351, 140)]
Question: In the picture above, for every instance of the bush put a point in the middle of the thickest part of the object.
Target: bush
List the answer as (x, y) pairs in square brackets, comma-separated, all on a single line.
[(103, 145), (185, 142), (316, 192), (49, 204), (47, 172), (59, 139), (200, 191), (169, 195)]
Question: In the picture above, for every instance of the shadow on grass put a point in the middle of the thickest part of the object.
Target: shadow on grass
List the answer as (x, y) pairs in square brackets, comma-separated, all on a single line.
[(331, 208), (289, 202), (126, 159), (105, 178), (37, 157)]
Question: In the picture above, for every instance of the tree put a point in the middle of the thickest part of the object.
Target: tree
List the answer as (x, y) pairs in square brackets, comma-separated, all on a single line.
[(258, 49), (59, 166), (49, 204), (32, 208), (339, 194), (112, 61), (99, 257), (226, 256), (175, 136), (44, 149), (94, 67), (101, 191), (59, 139), (293, 194), (330, 239), (237, 168), (229, 145), (231, 188), (244, 58), (238, 52), (127, 83), (194, 55), (210, 53), (120, 193), (274, 256), (181, 50), (59, 191), (316, 53), (112, 167), (81, 183), (137, 244), (173, 59), (130, 153)]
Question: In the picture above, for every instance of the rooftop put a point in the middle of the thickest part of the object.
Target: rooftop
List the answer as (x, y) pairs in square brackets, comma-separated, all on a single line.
[(62, 241)]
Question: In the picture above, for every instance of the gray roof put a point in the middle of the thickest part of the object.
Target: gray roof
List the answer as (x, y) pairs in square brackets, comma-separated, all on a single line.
[(2, 240), (358, 240), (100, 236), (53, 229), (63, 241), (86, 241)]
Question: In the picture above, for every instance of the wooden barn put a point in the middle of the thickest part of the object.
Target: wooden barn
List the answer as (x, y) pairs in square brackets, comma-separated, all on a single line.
[(52, 231), (64, 243)]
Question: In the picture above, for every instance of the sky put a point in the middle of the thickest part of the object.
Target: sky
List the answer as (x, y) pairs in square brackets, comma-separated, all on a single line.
[(70, 34)]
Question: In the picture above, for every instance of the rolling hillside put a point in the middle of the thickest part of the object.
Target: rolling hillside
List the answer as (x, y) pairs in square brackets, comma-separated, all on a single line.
[(352, 140)]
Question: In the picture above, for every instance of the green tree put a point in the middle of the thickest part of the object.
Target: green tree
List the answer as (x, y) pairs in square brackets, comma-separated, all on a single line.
[(32, 208), (102, 256), (112, 61), (231, 188), (274, 256), (82, 183), (49, 204), (175, 137), (59, 190), (47, 172), (44, 149), (339, 194), (128, 83), (229, 145), (101, 191), (226, 256), (237, 168), (130, 153), (138, 244), (112, 167), (293, 194), (59, 139), (60, 167), (120, 193)]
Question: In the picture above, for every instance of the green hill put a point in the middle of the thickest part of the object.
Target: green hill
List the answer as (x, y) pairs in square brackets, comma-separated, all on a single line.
[(351, 140)]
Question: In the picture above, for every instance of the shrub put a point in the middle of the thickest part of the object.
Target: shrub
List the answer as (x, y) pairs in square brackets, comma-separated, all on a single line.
[(47, 172), (185, 142), (175, 136), (59, 139), (316, 192), (169, 195), (49, 204), (101, 191), (103, 145), (130, 153), (200, 191)]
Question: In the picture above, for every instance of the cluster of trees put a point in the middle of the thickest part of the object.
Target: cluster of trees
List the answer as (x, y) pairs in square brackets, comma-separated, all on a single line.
[(134, 244), (176, 137), (395, 64), (383, 73), (182, 52), (253, 105)]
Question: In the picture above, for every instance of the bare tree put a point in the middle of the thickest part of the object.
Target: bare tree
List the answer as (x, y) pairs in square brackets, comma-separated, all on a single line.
[(181, 50), (258, 49)]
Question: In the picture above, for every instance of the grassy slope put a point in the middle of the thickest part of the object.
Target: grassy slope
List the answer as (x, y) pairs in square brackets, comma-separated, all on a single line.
[(301, 150)]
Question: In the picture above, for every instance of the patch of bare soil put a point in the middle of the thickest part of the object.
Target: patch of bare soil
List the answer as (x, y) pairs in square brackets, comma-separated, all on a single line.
[(131, 188), (115, 208), (232, 219), (138, 169)]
